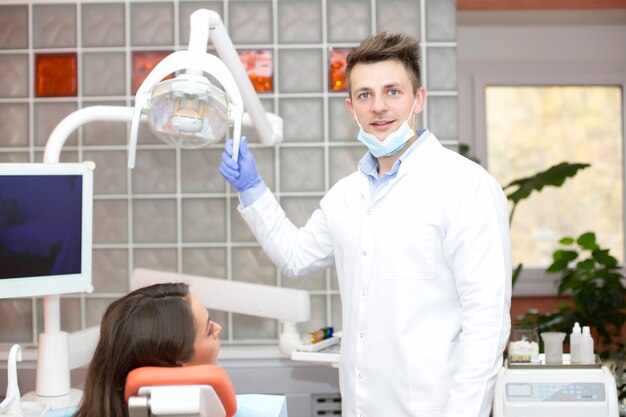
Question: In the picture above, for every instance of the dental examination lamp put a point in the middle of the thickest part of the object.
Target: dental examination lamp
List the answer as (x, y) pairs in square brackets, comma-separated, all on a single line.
[(188, 111)]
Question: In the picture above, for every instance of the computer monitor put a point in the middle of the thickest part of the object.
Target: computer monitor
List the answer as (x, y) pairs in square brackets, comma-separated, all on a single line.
[(45, 228)]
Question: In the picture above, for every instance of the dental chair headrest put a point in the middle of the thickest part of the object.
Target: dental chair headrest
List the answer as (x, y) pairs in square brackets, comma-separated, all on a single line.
[(211, 375)]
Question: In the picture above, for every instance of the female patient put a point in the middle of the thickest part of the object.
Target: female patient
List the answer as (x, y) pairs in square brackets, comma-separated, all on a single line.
[(159, 325)]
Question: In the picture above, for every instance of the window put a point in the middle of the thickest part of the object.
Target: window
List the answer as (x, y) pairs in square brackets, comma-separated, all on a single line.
[(523, 117), (529, 129)]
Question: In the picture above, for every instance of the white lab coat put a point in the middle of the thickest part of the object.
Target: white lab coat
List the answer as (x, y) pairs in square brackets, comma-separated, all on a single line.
[(424, 273)]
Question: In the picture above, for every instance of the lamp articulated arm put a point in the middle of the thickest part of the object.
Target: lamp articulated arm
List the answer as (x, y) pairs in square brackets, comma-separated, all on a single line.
[(205, 24)]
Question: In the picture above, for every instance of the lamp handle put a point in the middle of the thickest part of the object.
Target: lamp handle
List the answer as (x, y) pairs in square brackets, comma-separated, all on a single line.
[(237, 113), (140, 102)]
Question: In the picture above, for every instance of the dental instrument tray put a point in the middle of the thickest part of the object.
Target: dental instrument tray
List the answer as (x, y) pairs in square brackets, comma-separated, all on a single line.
[(565, 365), (316, 347), (323, 352)]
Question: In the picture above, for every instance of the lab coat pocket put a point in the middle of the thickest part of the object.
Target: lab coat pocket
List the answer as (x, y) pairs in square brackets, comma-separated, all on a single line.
[(412, 256), (429, 380)]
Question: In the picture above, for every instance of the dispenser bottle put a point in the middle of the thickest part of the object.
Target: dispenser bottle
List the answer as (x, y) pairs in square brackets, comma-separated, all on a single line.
[(586, 347), (574, 344)]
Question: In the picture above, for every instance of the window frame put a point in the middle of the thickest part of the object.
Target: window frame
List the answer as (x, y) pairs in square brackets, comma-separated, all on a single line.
[(475, 77)]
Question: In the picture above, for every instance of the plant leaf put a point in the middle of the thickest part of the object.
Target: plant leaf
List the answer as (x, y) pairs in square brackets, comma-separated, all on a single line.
[(587, 241), (604, 258), (586, 265), (561, 258), (516, 273), (555, 176)]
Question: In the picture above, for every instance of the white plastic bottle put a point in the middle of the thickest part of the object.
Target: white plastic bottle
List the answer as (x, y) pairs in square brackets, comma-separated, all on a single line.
[(574, 344), (586, 347)]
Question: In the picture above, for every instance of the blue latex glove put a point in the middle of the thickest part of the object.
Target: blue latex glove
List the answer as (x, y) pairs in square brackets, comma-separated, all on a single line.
[(242, 174)]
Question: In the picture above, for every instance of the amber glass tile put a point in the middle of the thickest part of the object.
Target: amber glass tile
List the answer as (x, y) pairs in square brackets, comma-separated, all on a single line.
[(143, 63), (258, 65), (337, 68), (55, 75)]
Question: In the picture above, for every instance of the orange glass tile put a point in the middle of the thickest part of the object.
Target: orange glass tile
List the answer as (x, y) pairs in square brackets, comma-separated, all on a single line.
[(258, 65), (143, 64), (56, 75), (337, 68)]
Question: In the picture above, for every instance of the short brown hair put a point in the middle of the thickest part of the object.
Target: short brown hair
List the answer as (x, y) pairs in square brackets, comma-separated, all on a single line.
[(388, 46)]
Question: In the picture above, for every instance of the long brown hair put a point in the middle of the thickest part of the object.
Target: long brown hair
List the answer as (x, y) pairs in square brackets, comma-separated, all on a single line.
[(151, 326)]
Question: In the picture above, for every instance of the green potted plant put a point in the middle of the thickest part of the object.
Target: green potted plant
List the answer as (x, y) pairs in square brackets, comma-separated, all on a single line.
[(594, 280)]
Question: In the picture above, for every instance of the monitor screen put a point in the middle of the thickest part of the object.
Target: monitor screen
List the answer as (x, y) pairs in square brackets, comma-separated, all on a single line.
[(45, 228)]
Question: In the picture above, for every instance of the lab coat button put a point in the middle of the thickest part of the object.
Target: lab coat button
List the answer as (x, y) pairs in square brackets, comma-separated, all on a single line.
[(362, 293), (361, 335), (364, 253), (360, 376), (369, 211)]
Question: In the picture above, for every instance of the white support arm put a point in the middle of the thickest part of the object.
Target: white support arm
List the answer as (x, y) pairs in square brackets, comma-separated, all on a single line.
[(285, 304), (204, 22), (82, 346), (78, 118), (238, 297), (53, 358)]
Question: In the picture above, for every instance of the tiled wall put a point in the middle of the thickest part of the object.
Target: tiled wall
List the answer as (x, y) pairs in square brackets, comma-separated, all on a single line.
[(174, 212)]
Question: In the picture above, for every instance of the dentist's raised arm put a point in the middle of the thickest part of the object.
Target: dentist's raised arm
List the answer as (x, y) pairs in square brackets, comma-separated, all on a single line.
[(242, 174)]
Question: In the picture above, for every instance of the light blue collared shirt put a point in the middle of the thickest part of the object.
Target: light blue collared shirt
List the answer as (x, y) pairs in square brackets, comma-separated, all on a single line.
[(368, 165)]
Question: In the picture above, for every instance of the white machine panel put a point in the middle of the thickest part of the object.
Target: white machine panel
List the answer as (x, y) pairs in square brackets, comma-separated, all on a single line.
[(554, 392), (567, 391)]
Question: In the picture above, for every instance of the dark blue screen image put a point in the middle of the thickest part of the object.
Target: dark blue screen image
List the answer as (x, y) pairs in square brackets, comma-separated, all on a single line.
[(40, 225)]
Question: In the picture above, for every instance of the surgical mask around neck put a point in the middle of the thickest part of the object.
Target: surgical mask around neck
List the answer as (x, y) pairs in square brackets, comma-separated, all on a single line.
[(394, 142)]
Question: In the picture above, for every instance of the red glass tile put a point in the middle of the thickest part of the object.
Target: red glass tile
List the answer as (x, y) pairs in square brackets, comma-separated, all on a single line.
[(56, 75), (143, 64), (337, 68), (258, 65)]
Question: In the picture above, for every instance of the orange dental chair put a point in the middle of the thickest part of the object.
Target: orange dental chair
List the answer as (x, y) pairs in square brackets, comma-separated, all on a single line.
[(200, 391)]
